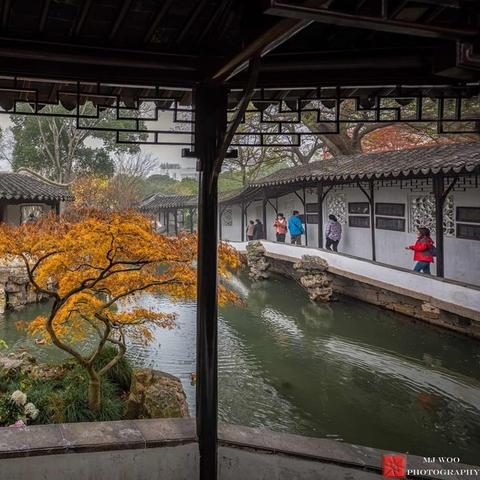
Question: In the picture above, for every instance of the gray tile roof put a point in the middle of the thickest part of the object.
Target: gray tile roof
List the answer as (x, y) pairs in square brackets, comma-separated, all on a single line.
[(159, 201), (25, 185), (446, 158)]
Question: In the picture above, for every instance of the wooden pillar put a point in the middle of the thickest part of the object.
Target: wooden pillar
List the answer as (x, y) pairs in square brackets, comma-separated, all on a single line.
[(242, 206), (210, 128), (190, 211), (438, 192), (305, 215), (175, 219), (320, 214), (372, 218), (220, 215), (166, 214), (264, 217)]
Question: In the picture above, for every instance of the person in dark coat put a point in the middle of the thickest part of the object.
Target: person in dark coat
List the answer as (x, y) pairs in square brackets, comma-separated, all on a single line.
[(258, 232)]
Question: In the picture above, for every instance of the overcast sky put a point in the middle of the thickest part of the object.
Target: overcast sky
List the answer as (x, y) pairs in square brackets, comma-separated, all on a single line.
[(163, 154)]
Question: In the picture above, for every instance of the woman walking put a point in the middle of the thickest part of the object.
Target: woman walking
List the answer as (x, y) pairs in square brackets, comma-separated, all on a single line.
[(281, 227), (250, 230), (333, 233), (424, 251)]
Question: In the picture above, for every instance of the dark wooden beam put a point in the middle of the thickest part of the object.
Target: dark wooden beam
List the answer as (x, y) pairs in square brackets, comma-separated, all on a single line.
[(191, 18), (162, 11), (219, 12), (260, 46), (344, 19), (6, 13), (77, 26), (62, 53), (320, 214), (120, 18), (44, 15)]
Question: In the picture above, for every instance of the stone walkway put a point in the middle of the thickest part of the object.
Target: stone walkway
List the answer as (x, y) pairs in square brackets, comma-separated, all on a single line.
[(450, 296)]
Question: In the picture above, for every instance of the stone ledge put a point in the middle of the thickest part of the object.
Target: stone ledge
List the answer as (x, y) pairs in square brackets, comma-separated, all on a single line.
[(323, 450), (95, 437)]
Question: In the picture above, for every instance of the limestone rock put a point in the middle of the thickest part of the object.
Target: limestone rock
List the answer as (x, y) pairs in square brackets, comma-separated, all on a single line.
[(257, 261), (313, 278), (3, 300), (310, 263), (155, 394)]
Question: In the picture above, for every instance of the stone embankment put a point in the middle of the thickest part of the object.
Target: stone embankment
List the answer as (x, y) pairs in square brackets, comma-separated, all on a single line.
[(15, 288)]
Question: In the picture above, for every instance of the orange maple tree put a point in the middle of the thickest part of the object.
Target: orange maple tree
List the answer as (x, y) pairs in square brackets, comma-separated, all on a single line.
[(93, 268)]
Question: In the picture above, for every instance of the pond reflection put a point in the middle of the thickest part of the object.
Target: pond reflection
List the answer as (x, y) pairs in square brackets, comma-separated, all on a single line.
[(347, 370)]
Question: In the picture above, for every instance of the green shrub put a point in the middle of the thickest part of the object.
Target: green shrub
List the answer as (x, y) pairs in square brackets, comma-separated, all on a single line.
[(74, 400), (119, 375)]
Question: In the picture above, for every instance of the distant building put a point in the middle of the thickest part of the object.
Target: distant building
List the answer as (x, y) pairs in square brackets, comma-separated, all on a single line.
[(177, 172), (25, 195)]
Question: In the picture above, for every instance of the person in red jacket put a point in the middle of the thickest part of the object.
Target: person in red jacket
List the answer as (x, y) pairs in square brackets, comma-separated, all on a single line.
[(424, 250)]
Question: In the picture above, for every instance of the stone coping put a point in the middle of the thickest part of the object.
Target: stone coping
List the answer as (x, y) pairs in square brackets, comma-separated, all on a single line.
[(95, 436), (326, 451), (156, 433)]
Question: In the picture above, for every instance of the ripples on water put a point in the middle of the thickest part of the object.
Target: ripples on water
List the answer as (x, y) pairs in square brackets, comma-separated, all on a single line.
[(348, 370)]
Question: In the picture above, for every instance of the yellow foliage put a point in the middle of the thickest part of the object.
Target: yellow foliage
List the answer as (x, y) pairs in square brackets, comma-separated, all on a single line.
[(93, 267)]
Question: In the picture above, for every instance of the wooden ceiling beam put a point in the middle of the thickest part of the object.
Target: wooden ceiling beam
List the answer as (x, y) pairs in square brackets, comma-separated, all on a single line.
[(44, 15), (192, 17), (6, 13), (260, 46), (157, 20), (77, 26), (120, 18), (324, 15)]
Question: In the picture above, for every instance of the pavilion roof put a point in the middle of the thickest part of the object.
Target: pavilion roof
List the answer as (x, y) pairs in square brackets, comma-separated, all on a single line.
[(422, 161), (25, 185)]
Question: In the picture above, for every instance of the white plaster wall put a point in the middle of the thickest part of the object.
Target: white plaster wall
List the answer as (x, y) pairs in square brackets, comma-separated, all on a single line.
[(390, 245), (462, 257), (233, 232), (354, 241), (13, 212)]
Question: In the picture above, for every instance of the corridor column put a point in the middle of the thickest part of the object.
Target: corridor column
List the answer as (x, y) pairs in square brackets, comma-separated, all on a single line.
[(210, 126)]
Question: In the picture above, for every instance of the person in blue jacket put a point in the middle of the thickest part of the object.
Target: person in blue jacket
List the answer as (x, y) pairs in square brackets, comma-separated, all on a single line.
[(295, 228)]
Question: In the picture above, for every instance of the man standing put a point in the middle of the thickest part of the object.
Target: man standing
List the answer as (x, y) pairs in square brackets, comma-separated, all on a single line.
[(333, 233), (281, 228), (258, 233), (295, 227)]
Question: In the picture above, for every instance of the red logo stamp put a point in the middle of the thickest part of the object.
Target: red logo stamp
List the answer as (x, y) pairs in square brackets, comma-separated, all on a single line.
[(394, 466)]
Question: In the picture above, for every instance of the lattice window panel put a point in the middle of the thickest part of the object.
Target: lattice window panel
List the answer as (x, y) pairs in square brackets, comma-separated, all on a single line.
[(30, 213), (337, 205), (227, 218), (422, 214)]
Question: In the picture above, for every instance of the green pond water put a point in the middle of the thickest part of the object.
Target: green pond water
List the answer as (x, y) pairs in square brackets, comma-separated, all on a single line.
[(347, 371)]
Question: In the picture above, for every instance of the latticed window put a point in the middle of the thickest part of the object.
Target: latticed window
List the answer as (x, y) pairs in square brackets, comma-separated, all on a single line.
[(227, 218), (422, 214), (30, 213), (337, 205)]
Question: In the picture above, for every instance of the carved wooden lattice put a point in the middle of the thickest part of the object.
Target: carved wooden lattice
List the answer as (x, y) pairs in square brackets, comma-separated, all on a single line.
[(337, 205), (422, 214)]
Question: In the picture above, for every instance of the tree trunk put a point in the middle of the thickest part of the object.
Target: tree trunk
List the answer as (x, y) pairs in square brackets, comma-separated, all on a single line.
[(94, 397)]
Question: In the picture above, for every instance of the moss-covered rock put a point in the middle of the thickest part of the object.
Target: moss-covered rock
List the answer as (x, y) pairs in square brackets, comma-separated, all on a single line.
[(155, 394)]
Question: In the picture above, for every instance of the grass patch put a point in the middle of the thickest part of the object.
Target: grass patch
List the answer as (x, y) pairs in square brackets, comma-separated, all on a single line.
[(65, 399)]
